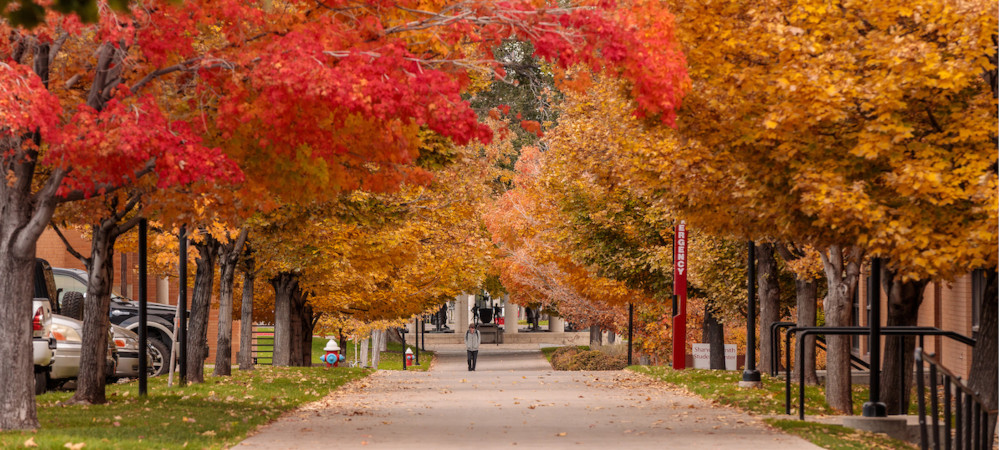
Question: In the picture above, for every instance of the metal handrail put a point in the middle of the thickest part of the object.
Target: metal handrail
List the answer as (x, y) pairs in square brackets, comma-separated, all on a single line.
[(775, 338), (776, 327), (848, 331), (856, 363), (971, 412)]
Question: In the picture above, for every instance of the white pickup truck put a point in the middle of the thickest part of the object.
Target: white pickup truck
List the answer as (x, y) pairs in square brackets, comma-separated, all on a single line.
[(42, 342)]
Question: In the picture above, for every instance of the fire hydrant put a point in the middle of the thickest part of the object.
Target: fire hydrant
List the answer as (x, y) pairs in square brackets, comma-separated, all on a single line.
[(409, 357), (332, 356)]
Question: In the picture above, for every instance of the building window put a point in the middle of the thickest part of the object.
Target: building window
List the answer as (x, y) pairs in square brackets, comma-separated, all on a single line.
[(978, 291)]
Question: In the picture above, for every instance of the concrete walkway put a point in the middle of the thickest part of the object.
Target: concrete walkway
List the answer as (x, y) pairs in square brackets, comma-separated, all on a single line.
[(514, 400)]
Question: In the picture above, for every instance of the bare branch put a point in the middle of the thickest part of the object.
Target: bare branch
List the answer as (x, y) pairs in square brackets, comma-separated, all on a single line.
[(57, 45), (127, 225), (69, 247), (104, 57)]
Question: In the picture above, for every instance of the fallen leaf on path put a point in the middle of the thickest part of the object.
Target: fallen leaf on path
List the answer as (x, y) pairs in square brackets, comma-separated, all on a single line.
[(560, 434)]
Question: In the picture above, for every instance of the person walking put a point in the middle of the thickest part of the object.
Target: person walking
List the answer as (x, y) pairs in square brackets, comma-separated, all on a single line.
[(472, 340)]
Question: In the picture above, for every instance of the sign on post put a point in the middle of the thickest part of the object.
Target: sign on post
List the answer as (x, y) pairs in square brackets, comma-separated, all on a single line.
[(680, 291), (702, 356)]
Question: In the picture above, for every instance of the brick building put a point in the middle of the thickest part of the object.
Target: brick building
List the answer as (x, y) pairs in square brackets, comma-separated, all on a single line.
[(948, 306)]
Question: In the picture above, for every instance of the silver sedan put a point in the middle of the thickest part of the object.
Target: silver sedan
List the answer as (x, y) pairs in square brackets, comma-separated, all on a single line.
[(68, 333)]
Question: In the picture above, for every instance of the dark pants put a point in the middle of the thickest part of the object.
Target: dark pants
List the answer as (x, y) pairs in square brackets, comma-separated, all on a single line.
[(473, 354)]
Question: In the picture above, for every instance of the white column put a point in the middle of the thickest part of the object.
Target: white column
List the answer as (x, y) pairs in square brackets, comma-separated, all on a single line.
[(556, 324), (163, 290), (509, 315), (461, 313)]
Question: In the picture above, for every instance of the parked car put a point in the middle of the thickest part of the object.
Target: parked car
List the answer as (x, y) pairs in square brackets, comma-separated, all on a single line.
[(68, 333), (128, 354), (72, 285), (43, 345)]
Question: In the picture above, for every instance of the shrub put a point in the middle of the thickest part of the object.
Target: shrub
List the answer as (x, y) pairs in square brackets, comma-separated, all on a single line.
[(573, 358)]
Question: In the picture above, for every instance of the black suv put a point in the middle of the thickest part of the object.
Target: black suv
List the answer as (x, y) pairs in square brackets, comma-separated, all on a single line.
[(71, 284)]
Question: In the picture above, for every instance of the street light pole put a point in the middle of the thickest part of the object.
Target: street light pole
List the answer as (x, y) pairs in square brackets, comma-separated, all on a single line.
[(182, 270), (143, 319), (751, 376), (416, 340), (873, 407), (630, 310), (402, 333)]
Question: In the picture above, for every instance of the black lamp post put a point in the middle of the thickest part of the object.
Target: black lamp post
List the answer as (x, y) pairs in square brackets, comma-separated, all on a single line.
[(182, 270), (143, 342), (416, 340), (402, 333), (750, 374), (873, 407), (630, 309)]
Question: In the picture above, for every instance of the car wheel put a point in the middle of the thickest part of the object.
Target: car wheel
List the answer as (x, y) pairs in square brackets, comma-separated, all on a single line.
[(72, 305), (159, 357), (41, 382)]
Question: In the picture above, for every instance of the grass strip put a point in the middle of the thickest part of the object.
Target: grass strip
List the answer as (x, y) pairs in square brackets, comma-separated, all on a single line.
[(722, 387), (836, 437), (216, 414), (390, 359)]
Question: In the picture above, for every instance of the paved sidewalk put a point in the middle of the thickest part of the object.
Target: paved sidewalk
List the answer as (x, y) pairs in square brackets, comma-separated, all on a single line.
[(514, 400)]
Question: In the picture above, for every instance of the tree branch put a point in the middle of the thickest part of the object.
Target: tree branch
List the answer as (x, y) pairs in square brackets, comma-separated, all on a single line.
[(106, 188), (45, 206), (69, 247), (57, 45), (127, 225), (104, 57)]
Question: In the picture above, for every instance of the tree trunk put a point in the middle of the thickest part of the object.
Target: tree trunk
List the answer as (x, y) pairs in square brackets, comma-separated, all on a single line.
[(611, 336), (904, 299), (983, 377), (201, 303), (306, 314), (285, 285), (301, 325), (376, 348), (96, 321), (842, 272), (768, 295), (17, 399), (805, 316), (229, 255), (595, 336), (363, 361), (223, 346), (713, 334), (246, 322), (23, 216)]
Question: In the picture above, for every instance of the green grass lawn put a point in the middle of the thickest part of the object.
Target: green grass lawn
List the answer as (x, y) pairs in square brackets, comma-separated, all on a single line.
[(836, 437), (215, 414), (391, 359), (722, 387)]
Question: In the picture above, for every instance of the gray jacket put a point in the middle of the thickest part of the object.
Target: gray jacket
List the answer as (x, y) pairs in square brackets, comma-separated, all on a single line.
[(472, 340)]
